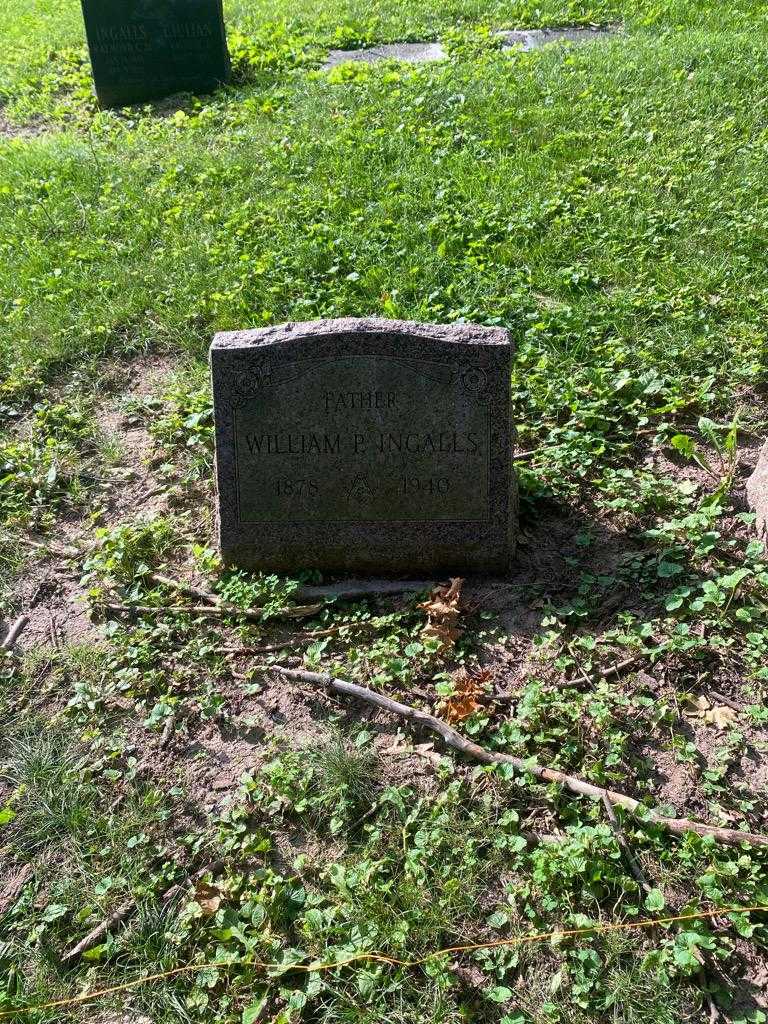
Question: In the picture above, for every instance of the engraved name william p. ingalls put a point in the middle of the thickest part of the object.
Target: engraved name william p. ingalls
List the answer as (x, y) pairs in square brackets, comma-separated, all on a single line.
[(406, 427)]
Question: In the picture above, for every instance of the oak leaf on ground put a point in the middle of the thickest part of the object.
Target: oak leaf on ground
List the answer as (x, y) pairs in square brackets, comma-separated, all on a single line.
[(443, 611), (463, 702)]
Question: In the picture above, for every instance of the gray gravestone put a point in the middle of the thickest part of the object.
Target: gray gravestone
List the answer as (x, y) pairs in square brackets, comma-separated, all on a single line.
[(757, 494), (365, 445), (146, 49)]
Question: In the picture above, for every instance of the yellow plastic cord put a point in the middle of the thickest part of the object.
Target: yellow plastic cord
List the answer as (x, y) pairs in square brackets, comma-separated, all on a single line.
[(311, 968)]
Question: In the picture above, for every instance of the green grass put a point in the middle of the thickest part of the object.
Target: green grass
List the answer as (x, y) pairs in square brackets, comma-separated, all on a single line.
[(621, 245), (606, 204)]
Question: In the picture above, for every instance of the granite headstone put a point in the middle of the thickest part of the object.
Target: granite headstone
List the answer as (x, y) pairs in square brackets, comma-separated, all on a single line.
[(146, 49), (365, 445), (757, 494)]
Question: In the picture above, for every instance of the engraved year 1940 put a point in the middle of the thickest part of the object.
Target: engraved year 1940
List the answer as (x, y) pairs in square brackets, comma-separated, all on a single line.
[(424, 485)]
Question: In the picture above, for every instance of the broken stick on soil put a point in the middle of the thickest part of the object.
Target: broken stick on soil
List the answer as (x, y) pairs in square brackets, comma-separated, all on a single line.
[(350, 590), (187, 588), (94, 937), (15, 632), (298, 641), (344, 591), (626, 849), (250, 614), (126, 910), (677, 826), (12, 887)]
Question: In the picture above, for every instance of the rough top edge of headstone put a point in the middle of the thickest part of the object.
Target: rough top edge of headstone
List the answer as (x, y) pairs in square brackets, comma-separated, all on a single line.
[(463, 334)]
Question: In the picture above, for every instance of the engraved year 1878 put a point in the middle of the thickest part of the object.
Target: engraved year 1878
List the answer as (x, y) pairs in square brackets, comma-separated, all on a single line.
[(296, 488)]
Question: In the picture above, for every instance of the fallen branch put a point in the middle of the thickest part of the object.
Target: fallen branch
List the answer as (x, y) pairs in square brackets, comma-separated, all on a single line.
[(250, 614), (187, 588), (94, 937), (126, 910), (351, 589), (721, 697), (677, 826), (60, 550), (234, 652), (626, 849), (620, 666), (15, 632), (12, 888), (596, 674), (296, 641), (345, 591)]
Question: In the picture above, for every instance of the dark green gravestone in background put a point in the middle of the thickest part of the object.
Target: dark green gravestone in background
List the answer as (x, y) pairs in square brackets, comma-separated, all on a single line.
[(146, 49), (365, 446)]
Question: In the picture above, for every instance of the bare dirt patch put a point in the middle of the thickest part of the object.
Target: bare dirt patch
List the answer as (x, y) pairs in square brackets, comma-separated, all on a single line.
[(50, 591), (31, 130), (134, 490), (209, 758)]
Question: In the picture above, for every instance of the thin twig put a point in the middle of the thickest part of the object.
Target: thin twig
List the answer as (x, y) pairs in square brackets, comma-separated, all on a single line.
[(60, 550), (170, 725), (15, 632), (701, 980), (126, 910), (186, 588), (213, 868), (631, 860), (297, 641), (34, 601), (363, 817), (94, 937), (614, 670), (54, 631), (637, 871), (250, 614), (424, 750), (582, 674), (725, 700), (676, 826)]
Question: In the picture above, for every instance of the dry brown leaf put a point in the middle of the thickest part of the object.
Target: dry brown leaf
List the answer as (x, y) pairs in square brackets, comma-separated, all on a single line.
[(459, 707), (208, 897), (463, 702), (698, 706), (444, 601), (442, 610), (720, 716)]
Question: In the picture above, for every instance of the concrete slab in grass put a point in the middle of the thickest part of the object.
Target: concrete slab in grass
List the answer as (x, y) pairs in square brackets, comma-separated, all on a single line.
[(425, 53)]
